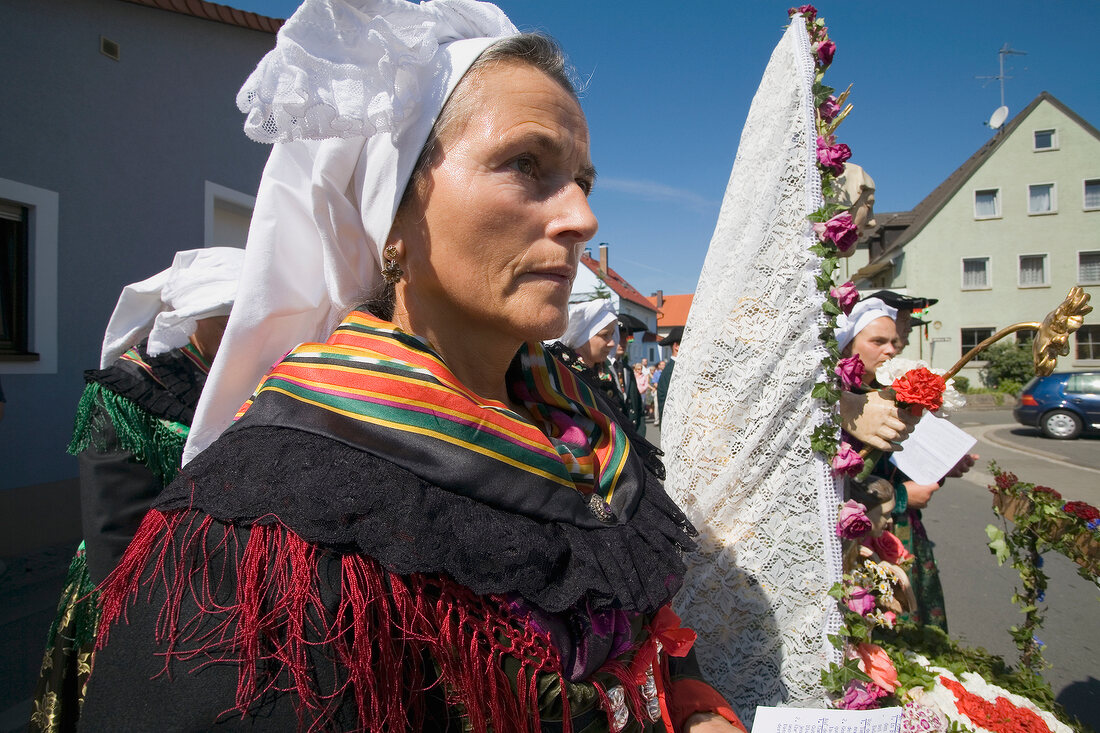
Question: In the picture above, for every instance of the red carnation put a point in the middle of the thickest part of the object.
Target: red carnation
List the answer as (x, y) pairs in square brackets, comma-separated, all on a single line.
[(1006, 481), (1085, 511), (808, 11), (920, 387), (1047, 490)]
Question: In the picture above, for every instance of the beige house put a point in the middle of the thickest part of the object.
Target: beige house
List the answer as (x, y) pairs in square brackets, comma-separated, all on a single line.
[(1001, 240)]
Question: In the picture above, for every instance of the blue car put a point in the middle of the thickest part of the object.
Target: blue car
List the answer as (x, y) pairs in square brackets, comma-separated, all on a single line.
[(1063, 405)]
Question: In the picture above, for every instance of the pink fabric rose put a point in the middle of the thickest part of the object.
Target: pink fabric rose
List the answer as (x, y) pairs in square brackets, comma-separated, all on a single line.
[(840, 230), (847, 461), (861, 696), (808, 11), (846, 296), (852, 522), (829, 109), (850, 371), (832, 157), (876, 664), (891, 618), (824, 52), (861, 601)]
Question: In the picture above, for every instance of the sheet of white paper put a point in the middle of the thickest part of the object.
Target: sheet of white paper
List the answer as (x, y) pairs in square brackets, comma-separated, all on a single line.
[(932, 449), (806, 720)]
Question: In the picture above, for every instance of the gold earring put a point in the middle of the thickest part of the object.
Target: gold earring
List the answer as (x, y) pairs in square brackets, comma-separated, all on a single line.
[(391, 271)]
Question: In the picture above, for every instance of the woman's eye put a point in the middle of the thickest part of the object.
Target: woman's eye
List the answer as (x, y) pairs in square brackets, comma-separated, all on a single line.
[(585, 184), (526, 165)]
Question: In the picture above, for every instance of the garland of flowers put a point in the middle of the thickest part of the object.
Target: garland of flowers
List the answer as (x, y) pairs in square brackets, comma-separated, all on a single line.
[(1042, 521), (879, 667)]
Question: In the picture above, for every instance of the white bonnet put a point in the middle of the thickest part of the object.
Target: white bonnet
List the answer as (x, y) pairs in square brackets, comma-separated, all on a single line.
[(586, 320), (865, 311)]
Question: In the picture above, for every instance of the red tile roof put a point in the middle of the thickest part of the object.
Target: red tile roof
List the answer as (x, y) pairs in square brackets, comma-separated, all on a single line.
[(215, 12), (674, 310), (618, 284)]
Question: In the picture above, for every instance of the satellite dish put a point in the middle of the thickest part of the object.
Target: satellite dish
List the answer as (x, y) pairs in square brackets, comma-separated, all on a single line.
[(998, 117)]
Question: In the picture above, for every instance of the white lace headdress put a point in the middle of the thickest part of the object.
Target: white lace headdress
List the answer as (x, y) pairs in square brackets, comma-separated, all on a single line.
[(739, 417), (201, 283), (348, 97)]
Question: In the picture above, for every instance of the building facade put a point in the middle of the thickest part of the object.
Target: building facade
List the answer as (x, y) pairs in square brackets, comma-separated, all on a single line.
[(596, 279), (1002, 240), (121, 144)]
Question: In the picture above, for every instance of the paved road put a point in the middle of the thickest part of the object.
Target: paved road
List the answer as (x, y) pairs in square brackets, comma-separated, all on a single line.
[(978, 592)]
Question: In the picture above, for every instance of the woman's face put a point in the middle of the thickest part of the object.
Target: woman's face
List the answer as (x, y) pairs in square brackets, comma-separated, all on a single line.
[(492, 239), (875, 344), (596, 349)]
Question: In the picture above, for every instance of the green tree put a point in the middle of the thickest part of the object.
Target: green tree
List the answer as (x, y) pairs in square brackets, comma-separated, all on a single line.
[(1007, 365), (602, 292)]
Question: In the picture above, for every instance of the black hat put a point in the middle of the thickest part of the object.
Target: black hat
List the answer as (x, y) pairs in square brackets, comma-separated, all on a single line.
[(901, 302), (675, 336), (629, 323)]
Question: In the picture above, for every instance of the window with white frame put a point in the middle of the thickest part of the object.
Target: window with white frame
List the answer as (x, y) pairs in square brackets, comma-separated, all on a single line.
[(1046, 140), (1033, 271), (971, 337), (975, 273), (1092, 194), (14, 278), (1088, 268), (1088, 342), (1040, 199), (28, 279), (987, 203)]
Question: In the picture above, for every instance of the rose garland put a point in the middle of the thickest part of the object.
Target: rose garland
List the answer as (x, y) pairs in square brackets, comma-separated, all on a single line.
[(1042, 521), (878, 668)]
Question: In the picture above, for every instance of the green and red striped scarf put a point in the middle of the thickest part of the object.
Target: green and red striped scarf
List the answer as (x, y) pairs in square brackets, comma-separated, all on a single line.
[(386, 391)]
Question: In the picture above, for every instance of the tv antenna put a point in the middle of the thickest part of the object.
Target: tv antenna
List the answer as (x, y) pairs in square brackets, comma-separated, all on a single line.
[(1005, 51)]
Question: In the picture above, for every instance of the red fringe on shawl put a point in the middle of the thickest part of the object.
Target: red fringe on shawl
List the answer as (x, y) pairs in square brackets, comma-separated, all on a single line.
[(379, 635)]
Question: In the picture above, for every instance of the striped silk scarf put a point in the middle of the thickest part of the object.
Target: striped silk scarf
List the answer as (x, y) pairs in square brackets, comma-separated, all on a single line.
[(388, 392)]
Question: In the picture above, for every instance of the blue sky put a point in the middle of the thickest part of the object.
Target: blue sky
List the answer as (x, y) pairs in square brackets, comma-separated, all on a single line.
[(669, 85)]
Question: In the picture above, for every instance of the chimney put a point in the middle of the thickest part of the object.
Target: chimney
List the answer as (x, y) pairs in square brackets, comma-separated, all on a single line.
[(660, 296), (603, 259)]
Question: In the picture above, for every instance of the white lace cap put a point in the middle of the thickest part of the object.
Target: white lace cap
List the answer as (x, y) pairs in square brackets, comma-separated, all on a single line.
[(201, 283), (739, 419), (348, 97), (586, 320), (865, 311)]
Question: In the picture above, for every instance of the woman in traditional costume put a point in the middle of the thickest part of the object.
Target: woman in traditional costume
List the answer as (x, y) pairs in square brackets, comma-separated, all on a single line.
[(588, 340), (131, 424), (425, 521)]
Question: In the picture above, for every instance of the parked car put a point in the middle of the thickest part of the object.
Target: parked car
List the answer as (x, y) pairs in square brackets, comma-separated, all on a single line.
[(1063, 405)]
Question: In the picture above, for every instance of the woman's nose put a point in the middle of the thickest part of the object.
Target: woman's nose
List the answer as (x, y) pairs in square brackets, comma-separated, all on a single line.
[(573, 219)]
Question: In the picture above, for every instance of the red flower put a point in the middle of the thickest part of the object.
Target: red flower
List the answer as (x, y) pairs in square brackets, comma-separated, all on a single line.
[(1085, 511), (825, 53), (808, 11), (1001, 715), (832, 157), (920, 387), (1006, 481), (1047, 490)]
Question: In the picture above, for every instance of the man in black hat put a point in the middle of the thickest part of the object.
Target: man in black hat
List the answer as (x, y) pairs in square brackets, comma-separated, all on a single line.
[(905, 305), (673, 340), (624, 379)]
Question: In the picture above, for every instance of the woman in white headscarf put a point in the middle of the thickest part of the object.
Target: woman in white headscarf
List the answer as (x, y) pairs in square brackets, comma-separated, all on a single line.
[(589, 339), (131, 424), (419, 519)]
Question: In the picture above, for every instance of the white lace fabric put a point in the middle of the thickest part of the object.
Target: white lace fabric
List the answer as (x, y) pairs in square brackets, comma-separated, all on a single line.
[(353, 68), (739, 417)]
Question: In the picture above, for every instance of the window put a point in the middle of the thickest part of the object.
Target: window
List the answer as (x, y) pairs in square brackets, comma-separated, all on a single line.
[(1092, 194), (975, 275), (29, 231), (1024, 338), (1088, 342), (228, 215), (14, 273), (987, 203), (1084, 383), (1046, 140), (971, 337), (1088, 268), (1040, 199), (1033, 271)]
